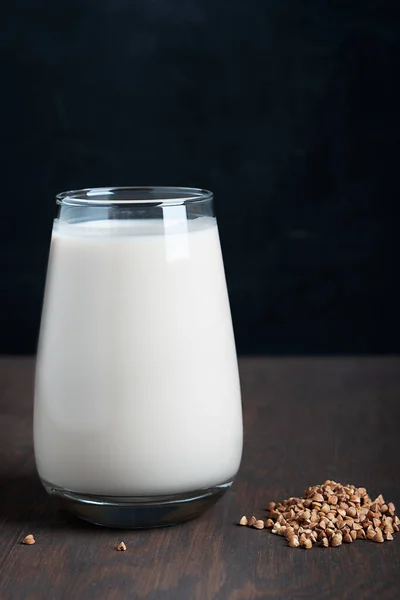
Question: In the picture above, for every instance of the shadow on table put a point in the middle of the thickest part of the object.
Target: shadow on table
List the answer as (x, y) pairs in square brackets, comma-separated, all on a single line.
[(24, 500)]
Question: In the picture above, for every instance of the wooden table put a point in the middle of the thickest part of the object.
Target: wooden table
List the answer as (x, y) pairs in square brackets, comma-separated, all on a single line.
[(305, 420)]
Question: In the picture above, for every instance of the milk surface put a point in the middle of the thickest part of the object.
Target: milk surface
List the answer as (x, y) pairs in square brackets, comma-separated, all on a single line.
[(137, 390)]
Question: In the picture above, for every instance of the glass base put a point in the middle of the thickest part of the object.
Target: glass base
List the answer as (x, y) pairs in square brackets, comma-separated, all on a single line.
[(137, 512)]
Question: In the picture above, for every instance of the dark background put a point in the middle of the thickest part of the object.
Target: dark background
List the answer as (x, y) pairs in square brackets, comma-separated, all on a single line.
[(287, 110)]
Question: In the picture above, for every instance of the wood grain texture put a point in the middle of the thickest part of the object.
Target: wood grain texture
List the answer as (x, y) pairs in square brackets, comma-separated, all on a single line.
[(305, 420)]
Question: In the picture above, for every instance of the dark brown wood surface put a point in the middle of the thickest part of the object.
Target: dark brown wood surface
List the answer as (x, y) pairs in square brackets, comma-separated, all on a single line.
[(306, 420)]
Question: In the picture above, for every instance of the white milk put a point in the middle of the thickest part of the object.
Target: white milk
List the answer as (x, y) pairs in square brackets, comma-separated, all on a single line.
[(137, 390)]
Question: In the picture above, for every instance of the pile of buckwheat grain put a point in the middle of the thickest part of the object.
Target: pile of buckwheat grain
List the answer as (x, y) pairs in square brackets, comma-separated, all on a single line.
[(328, 515)]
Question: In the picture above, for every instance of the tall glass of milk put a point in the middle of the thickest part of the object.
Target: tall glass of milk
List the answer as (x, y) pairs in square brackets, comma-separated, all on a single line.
[(137, 416)]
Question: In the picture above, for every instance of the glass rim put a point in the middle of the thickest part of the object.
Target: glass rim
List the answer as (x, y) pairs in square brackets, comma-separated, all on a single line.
[(133, 196)]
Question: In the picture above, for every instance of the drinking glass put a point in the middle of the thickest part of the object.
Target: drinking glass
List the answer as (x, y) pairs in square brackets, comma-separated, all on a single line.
[(137, 413)]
